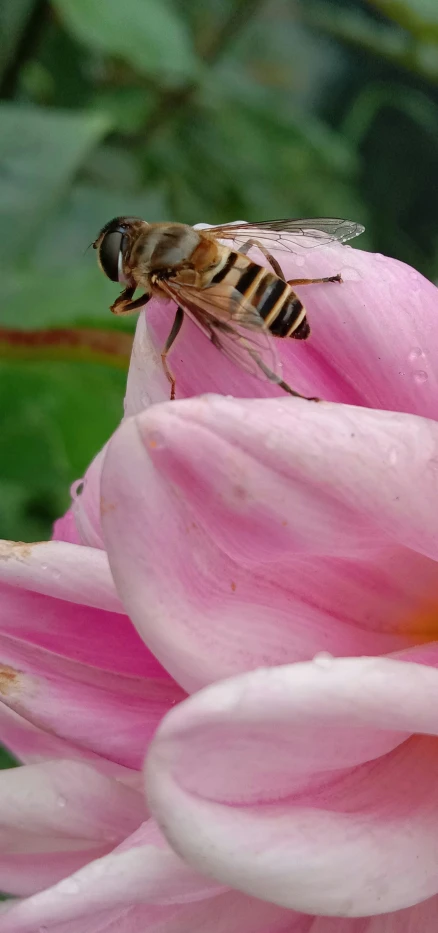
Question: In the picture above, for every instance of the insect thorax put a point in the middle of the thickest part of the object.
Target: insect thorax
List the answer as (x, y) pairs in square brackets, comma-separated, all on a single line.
[(165, 246)]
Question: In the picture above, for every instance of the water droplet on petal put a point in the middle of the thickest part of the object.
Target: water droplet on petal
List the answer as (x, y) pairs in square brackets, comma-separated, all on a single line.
[(323, 660), (415, 281), (61, 802), (420, 376), (43, 566), (299, 260), (76, 489), (350, 275), (393, 457), (415, 354)]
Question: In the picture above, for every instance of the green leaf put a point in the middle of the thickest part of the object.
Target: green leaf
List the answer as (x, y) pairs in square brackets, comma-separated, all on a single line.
[(54, 419), (383, 41), (40, 152), (419, 17), (6, 761), (149, 34), (62, 285), (14, 14)]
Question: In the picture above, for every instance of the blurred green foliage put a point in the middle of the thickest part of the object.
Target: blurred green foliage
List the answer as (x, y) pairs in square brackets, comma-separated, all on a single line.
[(211, 110)]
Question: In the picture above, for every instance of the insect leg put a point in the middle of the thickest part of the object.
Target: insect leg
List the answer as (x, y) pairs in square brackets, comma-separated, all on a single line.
[(272, 262), (329, 278), (124, 304), (284, 385), (123, 298), (137, 304), (176, 327)]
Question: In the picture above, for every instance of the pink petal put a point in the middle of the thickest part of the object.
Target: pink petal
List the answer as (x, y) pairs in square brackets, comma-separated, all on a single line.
[(418, 919), (230, 500), (32, 744), (71, 623), (64, 529), (234, 913), (146, 380), (299, 476), (56, 817), (87, 504), (57, 568), (224, 913), (146, 873), (110, 714), (373, 339), (290, 815)]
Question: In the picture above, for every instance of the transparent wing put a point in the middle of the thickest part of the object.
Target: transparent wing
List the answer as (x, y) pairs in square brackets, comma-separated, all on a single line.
[(222, 302), (292, 236), (234, 326)]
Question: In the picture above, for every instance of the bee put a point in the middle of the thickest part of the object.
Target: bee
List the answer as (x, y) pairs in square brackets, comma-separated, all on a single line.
[(239, 304)]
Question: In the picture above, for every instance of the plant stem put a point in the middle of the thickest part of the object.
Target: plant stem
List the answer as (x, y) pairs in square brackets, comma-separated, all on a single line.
[(111, 348)]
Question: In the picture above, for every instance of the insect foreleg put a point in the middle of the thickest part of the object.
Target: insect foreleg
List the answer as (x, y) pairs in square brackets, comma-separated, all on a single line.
[(272, 262), (176, 327), (124, 298), (124, 304)]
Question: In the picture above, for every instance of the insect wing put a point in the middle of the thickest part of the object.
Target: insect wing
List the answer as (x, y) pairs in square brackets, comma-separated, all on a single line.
[(234, 326), (293, 236)]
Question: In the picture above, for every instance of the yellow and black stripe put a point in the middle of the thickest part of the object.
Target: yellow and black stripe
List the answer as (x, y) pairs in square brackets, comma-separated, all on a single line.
[(274, 299)]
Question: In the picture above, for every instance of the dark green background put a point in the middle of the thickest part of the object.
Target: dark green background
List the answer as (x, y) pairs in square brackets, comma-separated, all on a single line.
[(203, 110)]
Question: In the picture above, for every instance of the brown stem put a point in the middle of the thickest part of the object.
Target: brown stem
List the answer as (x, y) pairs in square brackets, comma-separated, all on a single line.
[(112, 347)]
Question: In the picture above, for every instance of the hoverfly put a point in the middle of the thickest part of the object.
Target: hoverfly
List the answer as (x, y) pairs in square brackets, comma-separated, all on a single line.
[(237, 303)]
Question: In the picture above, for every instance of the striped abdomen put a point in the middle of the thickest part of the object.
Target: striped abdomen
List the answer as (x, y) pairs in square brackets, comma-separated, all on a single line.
[(274, 299)]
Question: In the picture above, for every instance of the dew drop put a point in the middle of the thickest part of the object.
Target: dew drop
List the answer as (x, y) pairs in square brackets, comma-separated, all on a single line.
[(393, 456), (420, 376), (145, 400), (415, 354), (61, 802), (43, 566), (76, 489), (415, 280), (323, 659), (299, 260), (56, 574), (350, 275)]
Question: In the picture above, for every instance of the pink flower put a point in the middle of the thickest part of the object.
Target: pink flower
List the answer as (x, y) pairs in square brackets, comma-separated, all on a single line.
[(281, 555)]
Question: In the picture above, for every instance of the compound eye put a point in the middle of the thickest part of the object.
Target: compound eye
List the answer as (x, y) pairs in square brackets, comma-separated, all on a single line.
[(109, 254)]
